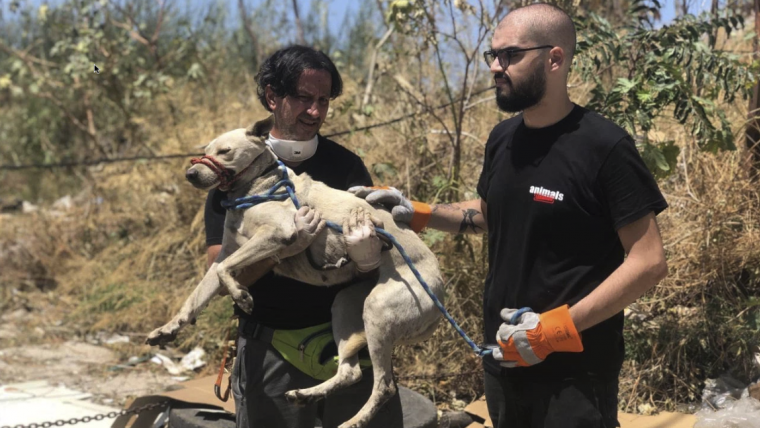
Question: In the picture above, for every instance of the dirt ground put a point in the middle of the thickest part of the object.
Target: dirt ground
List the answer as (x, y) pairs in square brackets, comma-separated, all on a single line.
[(33, 348)]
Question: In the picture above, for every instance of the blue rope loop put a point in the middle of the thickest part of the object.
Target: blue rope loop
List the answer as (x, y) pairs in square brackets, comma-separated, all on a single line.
[(249, 201), (516, 316)]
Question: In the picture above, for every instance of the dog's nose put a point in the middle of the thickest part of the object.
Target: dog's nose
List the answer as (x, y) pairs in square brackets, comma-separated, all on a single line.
[(191, 174)]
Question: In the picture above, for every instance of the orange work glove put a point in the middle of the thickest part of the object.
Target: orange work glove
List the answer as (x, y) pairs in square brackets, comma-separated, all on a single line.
[(527, 338), (415, 214)]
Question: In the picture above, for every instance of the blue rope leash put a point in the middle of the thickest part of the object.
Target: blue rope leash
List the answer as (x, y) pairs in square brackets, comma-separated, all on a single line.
[(249, 201), (478, 350)]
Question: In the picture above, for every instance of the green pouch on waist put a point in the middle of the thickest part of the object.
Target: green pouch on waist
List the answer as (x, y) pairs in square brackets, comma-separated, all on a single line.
[(305, 349)]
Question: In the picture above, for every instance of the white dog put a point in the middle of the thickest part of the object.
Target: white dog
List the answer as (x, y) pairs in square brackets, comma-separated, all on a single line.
[(394, 310)]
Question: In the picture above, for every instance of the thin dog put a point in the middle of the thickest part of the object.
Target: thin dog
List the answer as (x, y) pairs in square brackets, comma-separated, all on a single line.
[(392, 310)]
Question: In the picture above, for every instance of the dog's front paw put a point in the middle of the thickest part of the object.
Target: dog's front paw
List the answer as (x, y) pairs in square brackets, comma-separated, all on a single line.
[(244, 300), (163, 335)]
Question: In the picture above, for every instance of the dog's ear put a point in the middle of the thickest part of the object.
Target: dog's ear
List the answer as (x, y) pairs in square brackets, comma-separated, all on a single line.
[(260, 128)]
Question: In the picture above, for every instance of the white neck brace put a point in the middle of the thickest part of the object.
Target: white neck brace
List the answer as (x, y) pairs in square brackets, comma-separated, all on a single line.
[(291, 150)]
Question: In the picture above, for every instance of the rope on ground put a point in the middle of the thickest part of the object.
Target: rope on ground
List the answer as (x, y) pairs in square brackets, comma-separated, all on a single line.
[(187, 155)]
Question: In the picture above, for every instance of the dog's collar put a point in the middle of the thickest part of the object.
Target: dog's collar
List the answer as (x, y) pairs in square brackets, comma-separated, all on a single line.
[(271, 168), (270, 195)]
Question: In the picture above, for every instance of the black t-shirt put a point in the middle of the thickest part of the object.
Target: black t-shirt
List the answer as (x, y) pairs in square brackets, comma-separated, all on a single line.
[(556, 197), (280, 302)]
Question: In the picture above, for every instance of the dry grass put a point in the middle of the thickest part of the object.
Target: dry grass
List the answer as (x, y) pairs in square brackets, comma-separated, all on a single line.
[(132, 247)]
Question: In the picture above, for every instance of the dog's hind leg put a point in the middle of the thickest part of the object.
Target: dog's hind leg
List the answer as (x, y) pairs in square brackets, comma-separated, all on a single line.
[(383, 328), (380, 349), (396, 311), (267, 242), (348, 373), (348, 330)]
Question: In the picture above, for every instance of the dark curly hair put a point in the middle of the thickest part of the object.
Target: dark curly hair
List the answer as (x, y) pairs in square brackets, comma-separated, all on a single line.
[(282, 70)]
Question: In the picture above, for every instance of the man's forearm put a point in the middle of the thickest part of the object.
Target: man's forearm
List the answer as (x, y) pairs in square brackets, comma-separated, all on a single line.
[(460, 217), (626, 284)]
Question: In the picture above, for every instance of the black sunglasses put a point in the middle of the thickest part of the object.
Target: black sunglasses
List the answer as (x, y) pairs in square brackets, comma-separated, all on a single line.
[(505, 55)]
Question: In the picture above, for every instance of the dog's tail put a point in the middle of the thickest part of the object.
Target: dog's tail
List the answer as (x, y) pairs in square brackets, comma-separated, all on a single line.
[(356, 342)]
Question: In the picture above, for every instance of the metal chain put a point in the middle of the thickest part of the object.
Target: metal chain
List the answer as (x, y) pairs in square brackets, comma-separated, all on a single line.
[(85, 419)]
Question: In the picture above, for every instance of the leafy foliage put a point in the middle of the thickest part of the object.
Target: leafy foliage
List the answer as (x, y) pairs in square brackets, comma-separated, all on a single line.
[(641, 73)]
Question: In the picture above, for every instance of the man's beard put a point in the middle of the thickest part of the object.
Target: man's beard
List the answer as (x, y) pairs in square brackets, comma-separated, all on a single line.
[(524, 96)]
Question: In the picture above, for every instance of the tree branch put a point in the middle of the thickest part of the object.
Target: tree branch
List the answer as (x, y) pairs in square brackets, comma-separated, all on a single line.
[(73, 119), (25, 56), (370, 77), (91, 130), (132, 33), (427, 109), (160, 21), (299, 27)]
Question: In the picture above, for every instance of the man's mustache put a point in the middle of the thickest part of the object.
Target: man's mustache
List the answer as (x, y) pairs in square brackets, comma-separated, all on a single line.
[(502, 76)]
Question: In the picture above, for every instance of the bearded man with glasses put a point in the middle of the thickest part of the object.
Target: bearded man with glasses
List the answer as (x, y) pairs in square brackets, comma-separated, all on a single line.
[(569, 208)]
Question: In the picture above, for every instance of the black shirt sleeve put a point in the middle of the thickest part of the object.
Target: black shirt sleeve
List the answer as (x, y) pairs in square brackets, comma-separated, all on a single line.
[(358, 176), (214, 216), (628, 187)]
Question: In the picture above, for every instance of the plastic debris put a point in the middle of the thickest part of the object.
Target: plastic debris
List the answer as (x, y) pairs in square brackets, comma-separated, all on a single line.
[(646, 409), (116, 338), (28, 207), (131, 362), (720, 392), (742, 413), (188, 363), (194, 359), (168, 364), (65, 203)]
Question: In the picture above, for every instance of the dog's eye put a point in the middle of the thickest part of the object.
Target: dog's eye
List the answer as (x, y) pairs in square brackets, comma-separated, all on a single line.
[(223, 151)]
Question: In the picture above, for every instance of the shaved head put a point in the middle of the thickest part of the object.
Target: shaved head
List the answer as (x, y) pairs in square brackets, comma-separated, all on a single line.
[(543, 24)]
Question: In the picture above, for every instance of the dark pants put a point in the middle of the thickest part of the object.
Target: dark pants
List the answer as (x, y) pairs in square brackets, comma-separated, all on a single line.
[(587, 402), (261, 377)]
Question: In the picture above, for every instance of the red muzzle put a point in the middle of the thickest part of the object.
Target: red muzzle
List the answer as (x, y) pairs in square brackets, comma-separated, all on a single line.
[(226, 176)]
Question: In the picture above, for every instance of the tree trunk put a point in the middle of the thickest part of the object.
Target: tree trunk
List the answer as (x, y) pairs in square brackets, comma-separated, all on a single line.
[(752, 140), (251, 34), (371, 76), (299, 27)]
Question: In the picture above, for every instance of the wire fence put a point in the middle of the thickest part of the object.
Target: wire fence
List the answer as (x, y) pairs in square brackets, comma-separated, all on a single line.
[(70, 164)]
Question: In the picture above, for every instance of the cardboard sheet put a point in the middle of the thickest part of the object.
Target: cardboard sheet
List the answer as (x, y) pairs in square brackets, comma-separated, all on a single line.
[(197, 393), (201, 391)]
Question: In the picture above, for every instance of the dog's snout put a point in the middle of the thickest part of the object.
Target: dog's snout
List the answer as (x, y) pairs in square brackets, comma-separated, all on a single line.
[(191, 174)]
